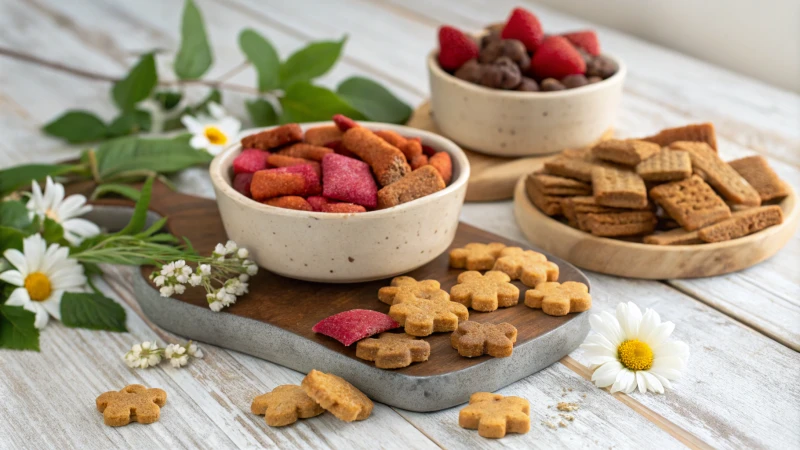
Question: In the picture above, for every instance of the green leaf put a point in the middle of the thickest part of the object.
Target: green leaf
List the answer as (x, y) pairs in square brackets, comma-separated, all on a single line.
[(262, 55), (139, 217), (123, 190), (11, 238), (16, 329), (310, 62), (14, 214), (76, 127), (168, 99), (262, 114), (93, 311), (130, 122), (373, 100), (53, 232), (304, 102), (18, 177), (194, 57), (199, 108), (137, 85), (134, 157)]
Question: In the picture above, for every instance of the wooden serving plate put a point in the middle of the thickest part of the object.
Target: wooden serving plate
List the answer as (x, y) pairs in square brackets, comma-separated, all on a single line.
[(274, 320), (637, 260), (491, 177)]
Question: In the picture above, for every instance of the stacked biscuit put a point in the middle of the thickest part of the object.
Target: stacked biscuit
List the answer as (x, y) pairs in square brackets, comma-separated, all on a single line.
[(668, 189)]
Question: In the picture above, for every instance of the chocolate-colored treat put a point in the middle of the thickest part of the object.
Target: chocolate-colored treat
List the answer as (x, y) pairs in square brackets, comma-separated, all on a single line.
[(503, 74), (573, 81), (601, 66), (489, 38), (587, 57), (528, 85), (471, 71), (551, 84), (594, 79), (511, 48)]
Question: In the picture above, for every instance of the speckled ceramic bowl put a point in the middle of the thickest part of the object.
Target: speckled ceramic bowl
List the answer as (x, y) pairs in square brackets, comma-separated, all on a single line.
[(344, 248), (511, 123)]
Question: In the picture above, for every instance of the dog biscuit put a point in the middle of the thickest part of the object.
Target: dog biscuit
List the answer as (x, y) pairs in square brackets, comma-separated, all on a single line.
[(484, 292), (742, 223), (473, 339), (387, 161), (276, 160), (701, 132), (528, 266), (559, 299), (476, 256), (666, 165), (290, 202), (558, 186), (618, 188), (424, 181), (323, 135), (757, 172), (276, 137), (494, 415), (336, 395), (422, 317), (678, 236), (284, 405), (404, 287), (691, 202), (629, 223), (132, 403), (628, 152), (548, 204), (306, 151), (393, 351), (443, 164)]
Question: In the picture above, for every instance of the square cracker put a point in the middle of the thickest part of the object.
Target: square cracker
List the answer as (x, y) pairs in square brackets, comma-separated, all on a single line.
[(691, 202), (760, 175), (678, 236), (559, 186), (719, 174), (548, 204), (629, 152), (742, 223), (666, 165), (575, 167), (699, 132), (618, 188), (628, 223)]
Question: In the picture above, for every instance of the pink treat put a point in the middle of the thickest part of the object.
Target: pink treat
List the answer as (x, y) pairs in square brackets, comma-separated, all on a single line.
[(427, 150), (309, 174), (350, 326), (241, 182), (250, 160), (348, 180), (317, 202)]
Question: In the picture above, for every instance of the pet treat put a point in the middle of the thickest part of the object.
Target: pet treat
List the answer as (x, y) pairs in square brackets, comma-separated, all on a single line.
[(241, 182), (387, 161), (276, 160), (250, 161), (618, 188), (691, 202), (551, 185), (422, 317), (132, 403), (351, 326), (411, 148), (578, 166), (528, 266), (336, 395), (343, 122), (306, 151), (757, 172), (418, 161), (424, 181), (742, 223), (317, 202), (443, 164), (548, 204), (290, 202), (476, 256), (473, 339), (494, 415), (393, 351), (666, 165), (284, 405), (343, 208), (559, 299), (484, 292), (294, 180), (719, 174), (628, 152), (276, 137), (323, 135), (678, 236), (701, 132), (404, 287), (348, 180), (630, 223)]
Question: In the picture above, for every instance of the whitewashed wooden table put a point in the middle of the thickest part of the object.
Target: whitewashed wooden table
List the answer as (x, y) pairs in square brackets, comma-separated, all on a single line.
[(742, 386)]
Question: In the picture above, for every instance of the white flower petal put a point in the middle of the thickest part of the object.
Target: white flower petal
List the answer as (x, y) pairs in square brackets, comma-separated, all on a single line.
[(53, 304), (33, 247), (599, 339), (672, 348), (216, 110), (18, 297), (669, 362), (663, 381), (192, 124), (12, 277), (607, 373), (670, 374), (70, 207), (41, 314), (629, 316), (199, 142), (80, 229), (625, 382), (214, 149), (608, 326), (650, 320), (653, 382), (18, 260), (54, 257), (641, 382), (660, 334)]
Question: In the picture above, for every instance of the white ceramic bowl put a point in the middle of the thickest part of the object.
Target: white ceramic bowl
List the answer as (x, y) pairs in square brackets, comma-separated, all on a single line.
[(344, 248), (512, 123)]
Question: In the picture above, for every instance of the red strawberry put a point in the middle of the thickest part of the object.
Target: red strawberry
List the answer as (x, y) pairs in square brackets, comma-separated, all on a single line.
[(455, 48), (557, 58), (523, 26), (586, 40)]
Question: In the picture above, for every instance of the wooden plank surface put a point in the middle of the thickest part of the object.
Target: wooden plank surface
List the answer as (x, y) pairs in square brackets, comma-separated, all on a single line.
[(740, 389)]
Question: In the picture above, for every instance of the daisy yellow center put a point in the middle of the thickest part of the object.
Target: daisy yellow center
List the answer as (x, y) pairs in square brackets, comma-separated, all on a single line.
[(51, 214), (215, 136), (38, 286), (635, 355)]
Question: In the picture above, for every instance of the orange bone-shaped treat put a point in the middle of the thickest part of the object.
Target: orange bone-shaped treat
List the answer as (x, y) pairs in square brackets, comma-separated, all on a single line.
[(323, 135), (387, 161), (442, 162), (275, 137), (290, 202), (306, 151), (410, 147)]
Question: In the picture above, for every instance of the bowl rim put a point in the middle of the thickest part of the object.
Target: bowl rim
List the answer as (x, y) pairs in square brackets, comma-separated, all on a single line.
[(435, 69), (223, 161)]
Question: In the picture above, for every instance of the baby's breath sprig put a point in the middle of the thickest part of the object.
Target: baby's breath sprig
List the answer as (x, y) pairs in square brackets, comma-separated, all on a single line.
[(148, 354), (224, 275)]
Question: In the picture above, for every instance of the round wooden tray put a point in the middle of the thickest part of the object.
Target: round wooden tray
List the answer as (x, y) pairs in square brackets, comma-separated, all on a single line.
[(635, 260)]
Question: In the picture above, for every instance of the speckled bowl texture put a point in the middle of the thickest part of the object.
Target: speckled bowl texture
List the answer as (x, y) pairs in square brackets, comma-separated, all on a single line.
[(344, 248), (511, 123)]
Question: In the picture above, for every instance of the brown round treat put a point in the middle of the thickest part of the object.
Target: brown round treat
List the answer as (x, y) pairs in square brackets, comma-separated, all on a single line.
[(528, 85), (587, 57), (511, 48), (503, 74), (551, 84), (601, 66), (573, 81), (490, 37), (471, 71), (491, 51), (594, 79)]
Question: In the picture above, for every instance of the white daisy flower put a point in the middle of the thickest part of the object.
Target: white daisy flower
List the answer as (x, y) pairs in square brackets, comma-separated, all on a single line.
[(631, 350), (65, 211), (212, 133), (42, 275)]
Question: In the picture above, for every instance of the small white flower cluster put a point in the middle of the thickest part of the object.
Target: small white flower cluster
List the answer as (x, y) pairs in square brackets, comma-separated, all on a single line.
[(148, 354), (224, 275)]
